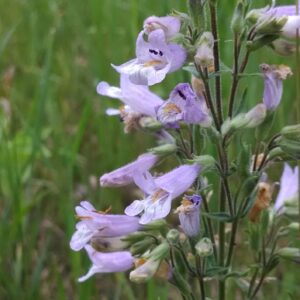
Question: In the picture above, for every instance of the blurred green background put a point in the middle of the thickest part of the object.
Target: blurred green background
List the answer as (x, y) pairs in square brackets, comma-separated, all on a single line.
[(55, 140)]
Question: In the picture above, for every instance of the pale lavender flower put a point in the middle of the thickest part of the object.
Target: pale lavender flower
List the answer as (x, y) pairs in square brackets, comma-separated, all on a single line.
[(107, 262), (137, 98), (170, 25), (273, 86), (288, 187), (161, 191), (184, 105), (188, 213), (124, 175), (154, 59), (98, 224)]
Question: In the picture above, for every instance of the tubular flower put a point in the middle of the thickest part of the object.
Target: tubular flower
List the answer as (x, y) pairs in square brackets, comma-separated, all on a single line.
[(170, 25), (94, 225), (262, 201), (288, 187), (138, 99), (184, 105), (161, 191), (154, 59), (107, 262), (273, 87), (124, 175), (189, 216)]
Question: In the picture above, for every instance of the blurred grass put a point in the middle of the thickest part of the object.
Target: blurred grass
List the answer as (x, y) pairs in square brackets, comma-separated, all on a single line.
[(55, 140)]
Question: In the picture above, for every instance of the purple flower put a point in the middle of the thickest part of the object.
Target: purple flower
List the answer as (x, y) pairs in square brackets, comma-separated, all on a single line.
[(170, 25), (154, 59), (188, 213), (139, 99), (184, 105), (161, 191), (95, 224), (124, 175), (273, 87), (107, 262), (288, 187)]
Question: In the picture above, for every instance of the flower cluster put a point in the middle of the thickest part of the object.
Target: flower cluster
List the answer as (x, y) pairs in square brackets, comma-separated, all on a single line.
[(189, 122)]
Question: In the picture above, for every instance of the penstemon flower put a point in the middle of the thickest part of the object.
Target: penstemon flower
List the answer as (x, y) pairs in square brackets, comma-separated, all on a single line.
[(288, 188), (161, 191), (94, 224), (170, 25), (154, 59), (124, 175), (184, 105), (188, 213), (273, 86), (107, 262)]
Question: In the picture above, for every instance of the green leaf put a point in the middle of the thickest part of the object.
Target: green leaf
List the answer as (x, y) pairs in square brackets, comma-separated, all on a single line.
[(219, 216)]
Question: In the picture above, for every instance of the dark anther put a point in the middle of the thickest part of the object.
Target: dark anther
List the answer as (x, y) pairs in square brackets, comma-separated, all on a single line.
[(161, 53), (153, 51), (181, 94)]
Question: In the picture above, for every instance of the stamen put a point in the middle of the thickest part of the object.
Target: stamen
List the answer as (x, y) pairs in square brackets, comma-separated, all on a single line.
[(157, 195), (171, 107), (151, 63), (83, 217)]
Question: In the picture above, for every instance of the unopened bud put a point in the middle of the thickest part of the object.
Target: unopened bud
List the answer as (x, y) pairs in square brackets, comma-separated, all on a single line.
[(289, 253), (237, 22), (295, 226), (206, 162), (165, 149), (173, 236), (291, 132), (284, 47), (204, 247), (204, 56), (150, 124), (256, 115)]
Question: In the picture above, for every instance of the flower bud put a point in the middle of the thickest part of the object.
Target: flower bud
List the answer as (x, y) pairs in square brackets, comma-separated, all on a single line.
[(283, 47), (204, 56), (295, 226), (165, 149), (291, 132), (204, 247), (150, 124), (237, 22), (206, 162), (173, 236), (256, 115), (289, 253)]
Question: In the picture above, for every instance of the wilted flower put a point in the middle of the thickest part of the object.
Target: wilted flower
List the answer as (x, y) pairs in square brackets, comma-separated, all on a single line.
[(188, 213), (147, 267), (107, 262), (124, 175), (170, 25), (161, 191), (139, 99), (154, 59), (288, 187), (184, 105), (273, 87), (97, 225), (262, 201)]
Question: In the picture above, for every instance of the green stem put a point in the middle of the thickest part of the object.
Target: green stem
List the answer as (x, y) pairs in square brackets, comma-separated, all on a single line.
[(200, 277), (214, 28)]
